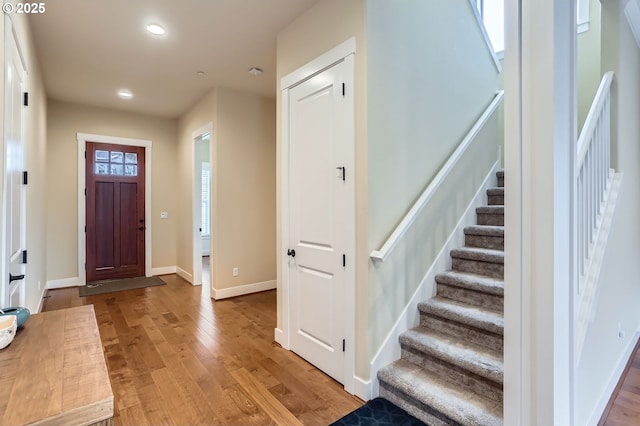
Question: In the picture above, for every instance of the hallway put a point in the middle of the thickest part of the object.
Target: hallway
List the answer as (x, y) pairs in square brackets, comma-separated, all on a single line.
[(176, 357)]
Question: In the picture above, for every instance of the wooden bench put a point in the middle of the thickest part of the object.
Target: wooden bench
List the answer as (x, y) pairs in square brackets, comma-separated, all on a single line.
[(54, 372)]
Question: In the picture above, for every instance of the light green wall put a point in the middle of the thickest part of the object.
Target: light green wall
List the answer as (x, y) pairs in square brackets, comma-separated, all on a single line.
[(588, 63), (430, 76), (619, 290)]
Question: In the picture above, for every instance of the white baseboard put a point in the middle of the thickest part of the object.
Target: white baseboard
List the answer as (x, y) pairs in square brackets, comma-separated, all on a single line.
[(241, 290), (44, 292), (63, 283), (166, 270), (184, 274), (362, 388), (598, 410), (410, 316), (281, 338)]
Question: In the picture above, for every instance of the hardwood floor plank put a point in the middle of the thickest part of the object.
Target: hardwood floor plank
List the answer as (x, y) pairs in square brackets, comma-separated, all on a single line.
[(176, 357), (178, 403), (274, 409), (624, 406)]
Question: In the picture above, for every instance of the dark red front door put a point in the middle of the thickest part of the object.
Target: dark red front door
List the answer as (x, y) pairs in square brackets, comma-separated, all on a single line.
[(115, 211)]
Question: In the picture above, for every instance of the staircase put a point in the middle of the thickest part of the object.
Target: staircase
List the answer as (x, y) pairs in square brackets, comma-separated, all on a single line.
[(451, 366)]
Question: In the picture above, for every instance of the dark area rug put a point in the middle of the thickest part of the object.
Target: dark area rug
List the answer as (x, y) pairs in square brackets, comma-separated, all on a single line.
[(110, 286), (379, 412)]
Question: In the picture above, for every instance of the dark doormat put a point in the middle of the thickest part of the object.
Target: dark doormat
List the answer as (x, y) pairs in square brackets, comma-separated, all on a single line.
[(379, 412), (110, 286)]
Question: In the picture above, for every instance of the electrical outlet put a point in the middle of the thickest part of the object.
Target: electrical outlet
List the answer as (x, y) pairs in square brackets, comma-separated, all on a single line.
[(235, 272), (164, 215)]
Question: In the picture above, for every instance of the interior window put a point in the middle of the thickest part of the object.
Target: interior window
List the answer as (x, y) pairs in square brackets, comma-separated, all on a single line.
[(492, 13)]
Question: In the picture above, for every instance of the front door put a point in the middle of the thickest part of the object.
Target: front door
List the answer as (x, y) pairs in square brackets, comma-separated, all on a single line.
[(13, 284), (320, 219), (115, 211)]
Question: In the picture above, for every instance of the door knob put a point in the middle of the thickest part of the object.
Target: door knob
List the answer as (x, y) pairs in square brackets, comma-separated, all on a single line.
[(291, 253)]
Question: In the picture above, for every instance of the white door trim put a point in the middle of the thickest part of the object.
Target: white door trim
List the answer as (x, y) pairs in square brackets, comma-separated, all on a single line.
[(196, 197), (343, 52), (83, 138), (11, 40)]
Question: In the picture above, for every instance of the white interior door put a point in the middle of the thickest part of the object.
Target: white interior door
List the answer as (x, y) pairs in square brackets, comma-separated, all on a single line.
[(13, 283), (321, 223)]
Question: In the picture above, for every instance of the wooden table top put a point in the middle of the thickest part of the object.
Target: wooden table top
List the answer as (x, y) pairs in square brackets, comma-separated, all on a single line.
[(54, 371)]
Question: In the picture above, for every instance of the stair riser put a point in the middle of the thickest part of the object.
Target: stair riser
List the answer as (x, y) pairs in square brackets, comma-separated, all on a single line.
[(483, 241), (490, 219), (495, 270), (501, 182), (455, 329), (496, 200), (454, 374), (417, 409), (477, 298)]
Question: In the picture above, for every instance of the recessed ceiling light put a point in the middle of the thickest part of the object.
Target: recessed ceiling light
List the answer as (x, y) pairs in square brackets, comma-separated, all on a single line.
[(125, 94), (155, 29), (255, 71)]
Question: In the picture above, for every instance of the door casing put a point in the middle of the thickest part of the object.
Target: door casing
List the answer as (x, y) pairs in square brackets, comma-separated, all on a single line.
[(343, 52), (196, 200), (12, 47), (83, 138)]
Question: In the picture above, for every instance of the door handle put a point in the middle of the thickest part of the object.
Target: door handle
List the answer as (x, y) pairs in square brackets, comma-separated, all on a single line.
[(291, 253), (142, 228), (15, 277)]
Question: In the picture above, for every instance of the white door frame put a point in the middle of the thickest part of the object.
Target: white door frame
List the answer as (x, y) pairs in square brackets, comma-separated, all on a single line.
[(343, 52), (540, 142), (196, 200), (83, 138), (10, 36)]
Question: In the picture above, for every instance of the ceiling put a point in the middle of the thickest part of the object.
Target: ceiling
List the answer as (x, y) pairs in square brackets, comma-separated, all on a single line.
[(90, 49)]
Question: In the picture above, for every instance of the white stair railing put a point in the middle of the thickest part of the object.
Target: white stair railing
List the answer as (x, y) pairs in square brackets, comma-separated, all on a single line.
[(594, 175), (597, 189)]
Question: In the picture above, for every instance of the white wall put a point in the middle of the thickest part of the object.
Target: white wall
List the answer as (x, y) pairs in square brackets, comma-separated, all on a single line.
[(619, 296), (430, 76)]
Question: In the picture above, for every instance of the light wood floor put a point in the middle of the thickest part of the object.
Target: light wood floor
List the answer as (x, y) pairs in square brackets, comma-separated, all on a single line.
[(624, 407), (176, 357)]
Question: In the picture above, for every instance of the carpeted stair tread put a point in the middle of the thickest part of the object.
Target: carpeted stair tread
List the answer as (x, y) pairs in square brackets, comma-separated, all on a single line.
[(490, 215), (485, 230), (477, 359), (497, 210), (500, 173), (475, 316), (479, 254), (480, 283), (462, 407), (495, 191)]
